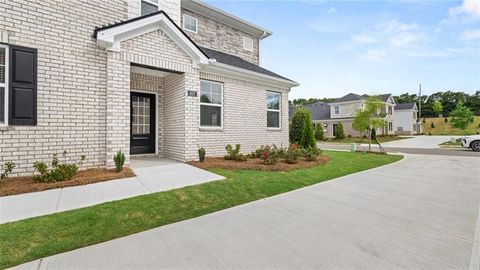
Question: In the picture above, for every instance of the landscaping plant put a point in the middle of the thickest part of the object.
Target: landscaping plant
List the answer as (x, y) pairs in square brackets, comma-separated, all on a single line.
[(308, 136), (7, 169), (311, 153), (293, 153), (269, 155), (119, 160), (59, 171), (297, 125), (319, 134), (201, 154), (234, 154), (340, 135), (432, 125), (437, 107)]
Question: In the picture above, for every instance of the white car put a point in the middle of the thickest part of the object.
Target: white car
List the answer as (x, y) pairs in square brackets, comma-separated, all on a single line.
[(472, 142)]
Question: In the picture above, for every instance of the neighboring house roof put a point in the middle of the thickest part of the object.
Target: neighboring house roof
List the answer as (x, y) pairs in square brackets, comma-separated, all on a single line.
[(406, 106), (319, 111), (354, 97), (348, 97), (216, 14), (236, 61)]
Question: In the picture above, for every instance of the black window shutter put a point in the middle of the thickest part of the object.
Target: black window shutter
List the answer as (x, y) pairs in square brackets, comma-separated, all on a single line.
[(23, 86)]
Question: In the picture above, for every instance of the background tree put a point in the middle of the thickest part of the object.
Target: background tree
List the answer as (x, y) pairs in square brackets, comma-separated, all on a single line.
[(296, 127), (461, 117), (437, 107), (340, 134), (308, 137), (319, 134)]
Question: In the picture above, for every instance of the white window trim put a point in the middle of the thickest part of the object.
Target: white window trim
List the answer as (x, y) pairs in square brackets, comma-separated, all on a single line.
[(335, 110), (5, 85), (196, 24), (213, 105), (149, 2), (245, 44), (275, 110)]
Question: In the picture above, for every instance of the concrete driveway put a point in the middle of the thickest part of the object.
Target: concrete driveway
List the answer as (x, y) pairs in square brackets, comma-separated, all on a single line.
[(425, 142), (419, 213)]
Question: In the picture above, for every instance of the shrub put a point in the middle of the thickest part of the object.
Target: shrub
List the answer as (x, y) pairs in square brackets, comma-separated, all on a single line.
[(429, 133), (59, 171), (269, 155), (432, 125), (7, 169), (340, 133), (234, 154), (446, 119), (201, 154), (119, 160), (293, 153), (424, 120), (311, 153), (308, 136), (297, 125), (319, 134)]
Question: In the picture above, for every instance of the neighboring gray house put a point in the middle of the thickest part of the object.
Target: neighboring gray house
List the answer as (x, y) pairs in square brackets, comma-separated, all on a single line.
[(406, 119), (149, 77), (343, 110)]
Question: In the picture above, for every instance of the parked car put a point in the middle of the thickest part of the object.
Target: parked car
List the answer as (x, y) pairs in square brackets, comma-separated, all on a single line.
[(472, 142)]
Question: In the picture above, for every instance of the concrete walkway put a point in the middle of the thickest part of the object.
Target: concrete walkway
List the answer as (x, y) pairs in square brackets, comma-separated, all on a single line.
[(425, 142), (419, 213), (153, 175)]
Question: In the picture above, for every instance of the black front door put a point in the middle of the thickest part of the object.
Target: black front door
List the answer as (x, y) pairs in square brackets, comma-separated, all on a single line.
[(142, 123)]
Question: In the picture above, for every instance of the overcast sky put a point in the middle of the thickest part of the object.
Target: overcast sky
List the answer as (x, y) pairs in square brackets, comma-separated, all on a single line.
[(368, 47)]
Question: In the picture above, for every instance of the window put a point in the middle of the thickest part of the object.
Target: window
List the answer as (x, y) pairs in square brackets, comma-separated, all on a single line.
[(273, 109), (414, 115), (211, 104), (337, 109), (3, 84), (390, 126), (248, 44), (190, 23), (390, 111), (148, 7)]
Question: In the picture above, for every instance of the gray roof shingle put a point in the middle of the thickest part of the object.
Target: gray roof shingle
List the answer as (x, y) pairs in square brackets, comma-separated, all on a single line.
[(353, 97), (319, 111), (236, 61), (405, 106)]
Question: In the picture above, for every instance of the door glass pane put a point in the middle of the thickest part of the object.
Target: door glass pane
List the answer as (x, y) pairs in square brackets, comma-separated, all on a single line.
[(140, 116)]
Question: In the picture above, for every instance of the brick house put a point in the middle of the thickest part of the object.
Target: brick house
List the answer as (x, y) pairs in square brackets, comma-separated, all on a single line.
[(148, 77), (343, 110)]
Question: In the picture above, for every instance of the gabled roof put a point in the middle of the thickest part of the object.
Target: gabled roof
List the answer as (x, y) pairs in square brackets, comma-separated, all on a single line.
[(348, 97), (406, 106), (236, 61), (319, 111), (111, 36), (354, 97)]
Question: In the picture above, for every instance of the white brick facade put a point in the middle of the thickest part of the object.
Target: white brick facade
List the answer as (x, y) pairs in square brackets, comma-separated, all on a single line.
[(84, 90)]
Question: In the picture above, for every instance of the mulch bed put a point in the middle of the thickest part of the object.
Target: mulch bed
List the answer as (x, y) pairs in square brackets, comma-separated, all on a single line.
[(257, 164), (25, 184)]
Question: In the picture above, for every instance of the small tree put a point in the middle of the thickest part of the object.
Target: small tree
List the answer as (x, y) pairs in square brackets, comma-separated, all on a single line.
[(340, 134), (308, 137), (319, 134), (437, 107), (446, 119), (296, 127), (432, 125), (368, 119), (461, 117)]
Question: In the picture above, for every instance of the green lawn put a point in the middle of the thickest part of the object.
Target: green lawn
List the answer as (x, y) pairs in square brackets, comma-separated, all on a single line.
[(442, 128), (39, 237), (381, 139)]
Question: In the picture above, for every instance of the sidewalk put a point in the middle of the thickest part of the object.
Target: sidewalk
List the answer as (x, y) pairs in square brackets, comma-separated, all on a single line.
[(149, 179)]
